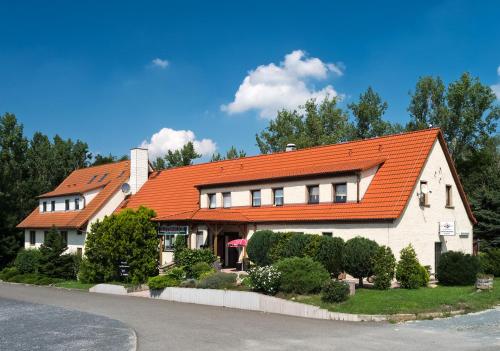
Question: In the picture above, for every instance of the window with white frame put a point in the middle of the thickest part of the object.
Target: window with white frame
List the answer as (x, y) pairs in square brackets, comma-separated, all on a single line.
[(200, 242), (256, 199), (77, 204), (313, 194), (44, 206), (340, 192), (66, 205), (226, 200), (278, 197), (168, 242), (52, 205), (32, 237), (212, 201)]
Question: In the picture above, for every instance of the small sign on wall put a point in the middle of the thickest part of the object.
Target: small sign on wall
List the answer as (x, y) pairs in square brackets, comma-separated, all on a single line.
[(447, 228)]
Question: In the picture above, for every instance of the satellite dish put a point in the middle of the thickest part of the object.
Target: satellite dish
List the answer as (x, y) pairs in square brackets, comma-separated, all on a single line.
[(424, 189), (126, 188)]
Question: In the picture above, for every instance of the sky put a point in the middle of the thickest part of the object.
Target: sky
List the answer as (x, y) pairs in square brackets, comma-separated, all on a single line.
[(122, 74)]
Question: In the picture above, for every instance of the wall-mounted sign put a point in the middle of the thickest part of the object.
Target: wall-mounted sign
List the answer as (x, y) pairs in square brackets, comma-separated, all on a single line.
[(447, 228), (173, 229)]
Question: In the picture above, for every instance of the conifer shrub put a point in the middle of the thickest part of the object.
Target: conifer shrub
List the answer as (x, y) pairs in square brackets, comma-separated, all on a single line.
[(384, 268), (457, 268), (408, 271), (301, 275), (335, 291)]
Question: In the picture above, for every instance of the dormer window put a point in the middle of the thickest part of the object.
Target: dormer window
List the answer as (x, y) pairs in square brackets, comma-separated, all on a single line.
[(77, 204), (212, 201), (44, 206), (340, 192), (278, 197), (313, 194), (66, 204), (92, 179), (256, 198), (103, 177), (226, 200), (52, 205)]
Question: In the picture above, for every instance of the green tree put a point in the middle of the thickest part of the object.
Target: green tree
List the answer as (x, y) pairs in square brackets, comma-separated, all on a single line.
[(13, 147), (182, 157), (102, 160), (367, 113), (232, 153), (128, 236), (384, 265), (408, 269), (318, 124), (53, 261), (216, 156), (359, 254), (159, 164)]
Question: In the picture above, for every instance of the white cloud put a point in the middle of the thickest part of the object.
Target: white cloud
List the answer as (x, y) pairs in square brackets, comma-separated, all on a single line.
[(498, 70), (271, 87), (170, 139), (158, 62)]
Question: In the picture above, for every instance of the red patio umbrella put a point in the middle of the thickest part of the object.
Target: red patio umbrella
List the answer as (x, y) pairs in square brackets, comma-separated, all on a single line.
[(238, 243)]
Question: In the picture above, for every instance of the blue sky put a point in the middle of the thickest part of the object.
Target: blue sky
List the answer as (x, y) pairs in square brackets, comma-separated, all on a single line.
[(86, 70)]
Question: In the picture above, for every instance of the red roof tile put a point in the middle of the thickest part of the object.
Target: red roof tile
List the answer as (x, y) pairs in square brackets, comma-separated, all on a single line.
[(77, 183), (173, 193)]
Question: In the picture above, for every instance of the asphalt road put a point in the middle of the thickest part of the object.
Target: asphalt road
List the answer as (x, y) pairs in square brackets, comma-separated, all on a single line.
[(163, 325)]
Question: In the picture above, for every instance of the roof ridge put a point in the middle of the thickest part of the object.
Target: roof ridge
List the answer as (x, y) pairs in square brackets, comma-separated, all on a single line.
[(303, 149)]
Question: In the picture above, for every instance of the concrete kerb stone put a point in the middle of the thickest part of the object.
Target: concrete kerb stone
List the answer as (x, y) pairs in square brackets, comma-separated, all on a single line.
[(109, 289)]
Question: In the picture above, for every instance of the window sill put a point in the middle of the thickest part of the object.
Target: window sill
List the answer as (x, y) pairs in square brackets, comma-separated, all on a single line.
[(450, 207)]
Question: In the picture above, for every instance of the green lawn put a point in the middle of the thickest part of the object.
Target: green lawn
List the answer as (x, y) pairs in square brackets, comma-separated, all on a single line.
[(439, 299), (74, 284)]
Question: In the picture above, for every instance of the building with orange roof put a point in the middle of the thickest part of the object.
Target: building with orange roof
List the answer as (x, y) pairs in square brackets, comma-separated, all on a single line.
[(397, 190), (85, 196)]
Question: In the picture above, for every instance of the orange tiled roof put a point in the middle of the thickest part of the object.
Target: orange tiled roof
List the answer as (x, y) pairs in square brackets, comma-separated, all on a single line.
[(349, 166), (173, 193), (77, 183)]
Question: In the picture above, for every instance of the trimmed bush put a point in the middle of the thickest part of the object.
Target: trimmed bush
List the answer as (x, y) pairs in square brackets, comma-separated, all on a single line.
[(259, 246), (297, 245), (207, 274), (330, 254), (301, 275), (265, 279), (457, 268), (176, 273), (28, 261), (188, 283), (335, 291), (408, 271), (384, 267), (279, 243), (162, 282), (218, 280), (188, 258), (358, 257), (424, 276), (201, 267)]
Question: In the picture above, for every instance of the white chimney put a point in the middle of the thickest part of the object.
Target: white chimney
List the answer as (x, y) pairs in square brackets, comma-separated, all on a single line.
[(139, 168), (290, 147)]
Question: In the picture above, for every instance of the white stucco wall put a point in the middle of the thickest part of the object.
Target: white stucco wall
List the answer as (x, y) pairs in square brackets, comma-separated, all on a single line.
[(418, 225), (75, 240), (108, 208), (295, 192), (60, 204)]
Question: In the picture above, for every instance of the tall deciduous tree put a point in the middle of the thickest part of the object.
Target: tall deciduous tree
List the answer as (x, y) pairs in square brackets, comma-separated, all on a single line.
[(316, 124), (367, 114)]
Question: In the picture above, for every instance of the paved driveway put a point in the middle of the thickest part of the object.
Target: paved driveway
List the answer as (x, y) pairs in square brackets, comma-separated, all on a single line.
[(163, 325)]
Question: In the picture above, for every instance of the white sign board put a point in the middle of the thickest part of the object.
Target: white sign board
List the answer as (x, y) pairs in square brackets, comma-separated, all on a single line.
[(447, 228)]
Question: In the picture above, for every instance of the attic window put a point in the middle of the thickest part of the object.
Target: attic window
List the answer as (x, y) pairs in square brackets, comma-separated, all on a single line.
[(92, 179), (103, 176)]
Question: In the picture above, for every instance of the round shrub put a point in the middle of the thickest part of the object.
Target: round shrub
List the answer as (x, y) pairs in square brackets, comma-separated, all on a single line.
[(28, 261), (296, 245), (176, 273), (330, 254), (279, 243), (259, 246), (383, 268), (200, 268), (335, 291), (162, 282), (188, 258), (218, 280), (301, 275), (457, 268), (424, 276), (408, 271), (265, 279), (358, 257)]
